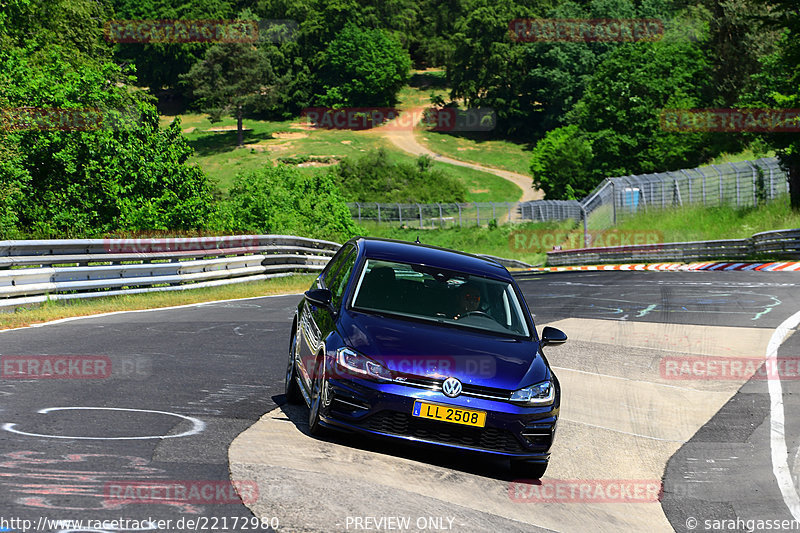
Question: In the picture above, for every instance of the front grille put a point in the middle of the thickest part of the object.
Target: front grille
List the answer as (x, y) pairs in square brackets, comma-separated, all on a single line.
[(468, 390), (406, 425)]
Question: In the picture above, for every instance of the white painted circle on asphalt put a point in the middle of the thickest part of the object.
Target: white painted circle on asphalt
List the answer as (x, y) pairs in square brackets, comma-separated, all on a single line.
[(197, 425)]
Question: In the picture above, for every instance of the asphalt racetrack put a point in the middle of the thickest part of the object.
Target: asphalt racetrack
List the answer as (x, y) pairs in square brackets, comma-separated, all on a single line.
[(664, 425)]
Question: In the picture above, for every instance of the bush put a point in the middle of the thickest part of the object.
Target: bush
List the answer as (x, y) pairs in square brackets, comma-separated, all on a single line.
[(374, 178), (283, 200)]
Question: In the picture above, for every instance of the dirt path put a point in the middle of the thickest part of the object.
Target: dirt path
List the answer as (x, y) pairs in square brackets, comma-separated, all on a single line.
[(403, 137)]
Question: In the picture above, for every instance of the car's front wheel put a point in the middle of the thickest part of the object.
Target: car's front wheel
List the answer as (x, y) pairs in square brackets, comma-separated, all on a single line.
[(320, 397), (291, 387), (522, 469)]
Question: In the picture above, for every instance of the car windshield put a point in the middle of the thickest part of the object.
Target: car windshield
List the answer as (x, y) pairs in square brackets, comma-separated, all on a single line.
[(443, 296)]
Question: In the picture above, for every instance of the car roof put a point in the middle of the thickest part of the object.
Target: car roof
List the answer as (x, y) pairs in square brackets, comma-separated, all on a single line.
[(423, 254)]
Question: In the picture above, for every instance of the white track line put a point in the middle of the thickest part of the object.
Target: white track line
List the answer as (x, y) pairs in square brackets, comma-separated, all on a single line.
[(778, 448), (110, 313), (653, 383)]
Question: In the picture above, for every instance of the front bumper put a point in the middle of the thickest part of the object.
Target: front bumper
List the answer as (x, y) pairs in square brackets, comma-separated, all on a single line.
[(384, 410)]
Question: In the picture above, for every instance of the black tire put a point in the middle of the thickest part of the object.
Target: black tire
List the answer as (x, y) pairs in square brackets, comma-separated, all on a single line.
[(291, 388), (528, 469), (318, 398)]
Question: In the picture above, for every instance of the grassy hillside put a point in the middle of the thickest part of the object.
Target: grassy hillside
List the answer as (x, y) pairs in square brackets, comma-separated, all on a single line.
[(699, 224), (268, 142)]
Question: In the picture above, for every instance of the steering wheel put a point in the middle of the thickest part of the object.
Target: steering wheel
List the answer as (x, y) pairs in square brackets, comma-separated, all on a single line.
[(476, 312)]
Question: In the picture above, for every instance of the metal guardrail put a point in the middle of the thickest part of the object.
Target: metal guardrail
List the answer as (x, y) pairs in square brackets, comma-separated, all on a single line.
[(783, 244), (35, 271)]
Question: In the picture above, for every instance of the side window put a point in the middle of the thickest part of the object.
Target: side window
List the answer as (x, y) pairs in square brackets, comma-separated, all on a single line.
[(338, 282), (332, 266)]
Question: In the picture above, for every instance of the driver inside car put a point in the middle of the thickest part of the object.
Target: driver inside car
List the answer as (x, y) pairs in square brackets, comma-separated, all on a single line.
[(469, 299)]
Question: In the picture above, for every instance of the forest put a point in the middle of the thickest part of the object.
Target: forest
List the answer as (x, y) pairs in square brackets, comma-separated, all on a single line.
[(97, 161)]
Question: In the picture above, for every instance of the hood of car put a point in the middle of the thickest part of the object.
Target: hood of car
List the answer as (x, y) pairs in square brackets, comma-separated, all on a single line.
[(415, 348)]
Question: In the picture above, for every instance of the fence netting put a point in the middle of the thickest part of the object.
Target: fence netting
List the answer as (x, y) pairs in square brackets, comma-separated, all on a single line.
[(740, 184)]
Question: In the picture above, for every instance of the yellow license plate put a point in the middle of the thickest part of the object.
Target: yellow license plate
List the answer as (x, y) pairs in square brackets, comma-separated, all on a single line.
[(445, 413)]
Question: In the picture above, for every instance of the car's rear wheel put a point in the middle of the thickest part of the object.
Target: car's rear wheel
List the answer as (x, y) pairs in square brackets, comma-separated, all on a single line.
[(320, 397), (291, 387), (528, 469)]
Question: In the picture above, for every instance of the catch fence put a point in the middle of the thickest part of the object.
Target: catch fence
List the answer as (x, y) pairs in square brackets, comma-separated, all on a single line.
[(739, 184)]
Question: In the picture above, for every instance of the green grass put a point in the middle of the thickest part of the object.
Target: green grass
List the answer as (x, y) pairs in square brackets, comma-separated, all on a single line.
[(711, 223), (265, 142), (56, 309), (479, 148), (423, 83), (498, 241), (744, 155)]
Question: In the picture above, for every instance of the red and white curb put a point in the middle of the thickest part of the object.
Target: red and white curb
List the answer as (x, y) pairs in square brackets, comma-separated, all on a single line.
[(761, 267)]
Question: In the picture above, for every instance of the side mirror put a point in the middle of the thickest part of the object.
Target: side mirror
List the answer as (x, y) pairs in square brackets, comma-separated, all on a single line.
[(319, 297), (553, 336)]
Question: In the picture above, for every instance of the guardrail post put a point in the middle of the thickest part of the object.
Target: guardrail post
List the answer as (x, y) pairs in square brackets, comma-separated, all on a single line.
[(508, 205), (359, 212), (379, 213), (420, 216), (441, 215), (479, 213), (459, 215), (400, 214)]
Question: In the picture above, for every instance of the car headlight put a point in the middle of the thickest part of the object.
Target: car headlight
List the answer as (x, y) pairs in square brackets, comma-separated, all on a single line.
[(356, 363), (543, 393)]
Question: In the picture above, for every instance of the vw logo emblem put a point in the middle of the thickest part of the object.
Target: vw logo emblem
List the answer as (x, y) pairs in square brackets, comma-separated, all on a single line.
[(451, 387)]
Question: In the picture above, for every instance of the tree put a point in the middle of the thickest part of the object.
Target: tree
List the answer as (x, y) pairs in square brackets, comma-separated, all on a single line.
[(159, 65), (738, 38), (621, 108), (363, 68), (560, 164), (488, 69), (100, 162), (531, 85), (233, 79), (778, 85)]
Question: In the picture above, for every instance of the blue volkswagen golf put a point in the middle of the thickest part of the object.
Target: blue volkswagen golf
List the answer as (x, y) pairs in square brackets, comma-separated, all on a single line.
[(428, 345)]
